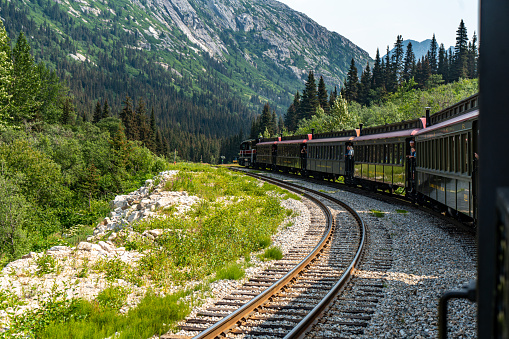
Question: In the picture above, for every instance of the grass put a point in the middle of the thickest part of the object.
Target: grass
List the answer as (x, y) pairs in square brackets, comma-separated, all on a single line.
[(154, 315), (272, 253), (377, 213), (46, 264), (231, 272), (401, 211), (236, 217)]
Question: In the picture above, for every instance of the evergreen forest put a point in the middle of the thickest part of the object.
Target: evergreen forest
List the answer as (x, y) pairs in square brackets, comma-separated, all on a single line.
[(57, 170), (397, 87)]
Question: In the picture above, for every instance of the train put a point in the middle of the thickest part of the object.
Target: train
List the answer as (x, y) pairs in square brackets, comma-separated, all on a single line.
[(431, 160)]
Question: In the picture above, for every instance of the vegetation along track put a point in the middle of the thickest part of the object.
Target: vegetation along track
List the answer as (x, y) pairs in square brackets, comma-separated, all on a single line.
[(284, 300)]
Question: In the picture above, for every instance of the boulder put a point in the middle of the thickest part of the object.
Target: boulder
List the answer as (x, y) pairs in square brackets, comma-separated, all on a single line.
[(157, 232), (106, 247), (84, 246), (120, 201), (59, 248)]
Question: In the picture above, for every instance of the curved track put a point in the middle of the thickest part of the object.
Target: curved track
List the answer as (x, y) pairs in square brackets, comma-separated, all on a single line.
[(287, 299)]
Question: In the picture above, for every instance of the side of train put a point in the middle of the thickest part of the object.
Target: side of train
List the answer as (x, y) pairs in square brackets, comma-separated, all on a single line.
[(442, 174)]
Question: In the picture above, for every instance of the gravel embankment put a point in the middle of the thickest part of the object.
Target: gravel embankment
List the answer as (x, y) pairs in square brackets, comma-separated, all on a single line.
[(427, 261)]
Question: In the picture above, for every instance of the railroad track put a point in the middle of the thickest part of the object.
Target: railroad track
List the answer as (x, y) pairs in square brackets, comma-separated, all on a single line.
[(286, 299)]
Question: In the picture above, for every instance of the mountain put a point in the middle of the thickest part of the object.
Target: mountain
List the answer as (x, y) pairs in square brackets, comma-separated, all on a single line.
[(420, 48), (206, 66)]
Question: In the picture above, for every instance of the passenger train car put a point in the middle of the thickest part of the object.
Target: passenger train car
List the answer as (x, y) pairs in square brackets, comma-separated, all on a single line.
[(431, 160)]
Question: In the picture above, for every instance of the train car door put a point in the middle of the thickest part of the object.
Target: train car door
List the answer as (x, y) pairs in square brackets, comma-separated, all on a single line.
[(349, 162)]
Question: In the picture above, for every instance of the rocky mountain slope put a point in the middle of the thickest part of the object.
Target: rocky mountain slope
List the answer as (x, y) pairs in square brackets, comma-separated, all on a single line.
[(262, 48)]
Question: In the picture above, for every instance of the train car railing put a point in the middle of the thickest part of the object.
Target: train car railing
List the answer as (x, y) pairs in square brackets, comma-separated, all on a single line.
[(501, 305)]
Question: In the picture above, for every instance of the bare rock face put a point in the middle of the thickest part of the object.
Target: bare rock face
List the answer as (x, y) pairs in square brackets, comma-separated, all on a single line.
[(265, 29)]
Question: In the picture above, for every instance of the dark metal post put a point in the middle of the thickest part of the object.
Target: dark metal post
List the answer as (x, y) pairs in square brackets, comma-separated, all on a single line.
[(428, 122), (493, 166)]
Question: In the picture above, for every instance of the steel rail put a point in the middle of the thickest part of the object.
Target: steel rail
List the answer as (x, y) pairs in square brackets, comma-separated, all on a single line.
[(231, 320)]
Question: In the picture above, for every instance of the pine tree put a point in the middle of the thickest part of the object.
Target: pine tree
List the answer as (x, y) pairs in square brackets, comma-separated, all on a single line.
[(460, 69), (142, 131), (5, 76), (322, 95), (472, 57), (365, 86), (409, 67), (106, 109), (397, 59), (153, 132), (127, 115), (443, 63), (309, 102), (352, 83), (333, 96), (432, 55), (377, 72), (265, 119), (98, 113), (67, 111), (25, 84), (389, 74), (273, 124)]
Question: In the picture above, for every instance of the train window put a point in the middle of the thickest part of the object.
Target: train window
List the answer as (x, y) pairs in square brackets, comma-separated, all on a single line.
[(434, 154), (396, 150)]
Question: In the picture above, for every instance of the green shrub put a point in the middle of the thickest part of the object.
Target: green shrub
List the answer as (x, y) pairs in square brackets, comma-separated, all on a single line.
[(113, 297), (231, 272), (272, 253), (46, 264), (377, 213)]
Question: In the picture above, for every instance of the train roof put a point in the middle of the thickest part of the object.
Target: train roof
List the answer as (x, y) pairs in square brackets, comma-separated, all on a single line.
[(341, 139), (453, 121), (396, 134), (284, 142)]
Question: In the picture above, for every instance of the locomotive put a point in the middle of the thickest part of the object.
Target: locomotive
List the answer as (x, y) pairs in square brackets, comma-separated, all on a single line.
[(431, 160)]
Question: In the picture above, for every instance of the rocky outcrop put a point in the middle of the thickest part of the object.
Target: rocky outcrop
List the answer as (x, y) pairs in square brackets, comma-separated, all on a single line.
[(144, 203), (289, 36)]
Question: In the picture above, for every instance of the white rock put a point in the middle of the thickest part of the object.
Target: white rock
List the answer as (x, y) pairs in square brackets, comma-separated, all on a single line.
[(84, 246), (106, 247), (59, 248), (157, 232)]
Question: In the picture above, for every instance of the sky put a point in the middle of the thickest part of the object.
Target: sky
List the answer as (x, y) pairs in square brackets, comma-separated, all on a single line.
[(372, 24)]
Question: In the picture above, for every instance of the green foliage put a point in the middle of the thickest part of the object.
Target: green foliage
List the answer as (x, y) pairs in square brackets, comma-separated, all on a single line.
[(377, 213), (401, 211), (409, 103), (113, 297), (14, 218), (231, 272), (46, 264), (272, 253)]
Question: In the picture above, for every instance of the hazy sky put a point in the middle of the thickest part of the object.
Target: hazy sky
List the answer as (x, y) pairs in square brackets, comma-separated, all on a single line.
[(376, 23)]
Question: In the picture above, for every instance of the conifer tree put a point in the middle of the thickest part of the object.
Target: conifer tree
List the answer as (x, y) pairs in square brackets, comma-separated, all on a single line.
[(291, 117), (273, 124), (352, 83), (377, 72), (142, 132), (443, 63), (106, 109), (397, 60), (5, 76), (128, 118), (309, 102), (409, 67), (432, 55), (472, 57), (25, 84), (153, 132), (333, 96), (67, 111), (365, 86), (322, 95), (459, 68), (389, 74), (265, 119), (98, 113)]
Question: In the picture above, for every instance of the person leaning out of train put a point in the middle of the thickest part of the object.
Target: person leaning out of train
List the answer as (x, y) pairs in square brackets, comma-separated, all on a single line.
[(303, 152), (413, 152)]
